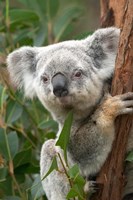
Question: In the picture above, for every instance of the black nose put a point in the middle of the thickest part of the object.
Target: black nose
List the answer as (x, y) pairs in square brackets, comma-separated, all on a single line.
[(59, 82)]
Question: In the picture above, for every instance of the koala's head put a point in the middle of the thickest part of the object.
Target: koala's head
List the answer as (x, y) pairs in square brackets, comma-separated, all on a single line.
[(68, 75)]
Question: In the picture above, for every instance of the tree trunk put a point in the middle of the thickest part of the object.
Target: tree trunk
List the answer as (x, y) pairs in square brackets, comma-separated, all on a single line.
[(120, 14)]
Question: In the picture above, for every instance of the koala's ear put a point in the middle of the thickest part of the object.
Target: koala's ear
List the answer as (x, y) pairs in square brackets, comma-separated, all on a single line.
[(21, 65), (102, 46)]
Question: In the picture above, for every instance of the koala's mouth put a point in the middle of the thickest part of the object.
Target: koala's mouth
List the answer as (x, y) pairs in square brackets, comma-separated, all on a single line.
[(66, 101)]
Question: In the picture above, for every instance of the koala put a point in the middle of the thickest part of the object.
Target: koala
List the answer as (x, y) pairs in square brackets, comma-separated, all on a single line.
[(75, 75)]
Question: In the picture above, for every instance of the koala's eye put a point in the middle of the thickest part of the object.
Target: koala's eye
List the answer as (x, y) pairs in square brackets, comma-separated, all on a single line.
[(78, 74), (44, 79)]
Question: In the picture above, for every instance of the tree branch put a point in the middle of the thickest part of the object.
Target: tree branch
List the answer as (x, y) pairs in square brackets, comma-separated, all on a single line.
[(111, 175)]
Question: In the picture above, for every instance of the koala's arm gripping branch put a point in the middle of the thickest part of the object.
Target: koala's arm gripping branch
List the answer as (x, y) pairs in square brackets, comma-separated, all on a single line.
[(111, 175)]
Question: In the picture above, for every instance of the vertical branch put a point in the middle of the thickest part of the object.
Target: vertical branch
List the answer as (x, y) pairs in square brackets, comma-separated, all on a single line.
[(111, 175), (107, 14)]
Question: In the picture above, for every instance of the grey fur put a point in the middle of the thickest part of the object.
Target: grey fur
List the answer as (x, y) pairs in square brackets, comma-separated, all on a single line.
[(94, 109)]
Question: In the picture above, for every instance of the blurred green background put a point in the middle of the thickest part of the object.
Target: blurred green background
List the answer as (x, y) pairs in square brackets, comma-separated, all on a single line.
[(25, 124)]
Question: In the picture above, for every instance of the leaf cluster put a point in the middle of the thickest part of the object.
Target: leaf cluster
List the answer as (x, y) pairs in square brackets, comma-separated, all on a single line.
[(24, 124), (36, 22)]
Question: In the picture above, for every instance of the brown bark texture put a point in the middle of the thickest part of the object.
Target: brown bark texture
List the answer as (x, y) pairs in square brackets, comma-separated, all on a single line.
[(111, 176)]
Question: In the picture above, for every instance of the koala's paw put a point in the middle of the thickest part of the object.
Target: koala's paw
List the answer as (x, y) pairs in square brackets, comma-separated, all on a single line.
[(91, 186), (125, 103), (117, 105)]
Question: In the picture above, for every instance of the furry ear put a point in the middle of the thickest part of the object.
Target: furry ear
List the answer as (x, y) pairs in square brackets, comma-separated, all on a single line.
[(21, 65), (102, 46)]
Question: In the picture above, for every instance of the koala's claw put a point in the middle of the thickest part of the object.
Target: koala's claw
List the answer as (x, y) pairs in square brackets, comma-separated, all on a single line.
[(127, 96), (118, 105), (127, 103), (91, 186)]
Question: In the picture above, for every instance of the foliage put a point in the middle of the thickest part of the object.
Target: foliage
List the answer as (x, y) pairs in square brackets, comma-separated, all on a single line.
[(38, 22), (22, 132), (24, 124), (74, 178)]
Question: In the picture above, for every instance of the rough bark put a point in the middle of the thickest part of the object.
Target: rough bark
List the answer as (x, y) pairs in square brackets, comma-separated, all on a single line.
[(111, 176), (112, 12)]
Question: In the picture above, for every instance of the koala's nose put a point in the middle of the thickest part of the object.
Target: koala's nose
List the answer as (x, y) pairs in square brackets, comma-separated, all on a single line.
[(59, 82)]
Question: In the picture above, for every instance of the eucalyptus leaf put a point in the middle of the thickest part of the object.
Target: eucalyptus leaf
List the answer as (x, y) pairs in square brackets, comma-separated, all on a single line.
[(73, 171), (41, 34), (130, 157), (52, 8), (3, 173), (8, 144), (48, 124), (74, 174), (65, 20), (53, 166), (22, 157), (13, 143), (21, 35), (37, 189), (13, 111), (76, 191), (73, 192), (6, 187), (22, 15), (65, 133), (27, 168)]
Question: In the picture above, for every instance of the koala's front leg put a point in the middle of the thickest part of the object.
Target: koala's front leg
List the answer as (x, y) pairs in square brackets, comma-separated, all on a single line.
[(95, 137), (111, 107), (56, 185), (107, 112)]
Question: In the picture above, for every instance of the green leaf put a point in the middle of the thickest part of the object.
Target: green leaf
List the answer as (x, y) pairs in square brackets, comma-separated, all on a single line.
[(3, 174), (13, 111), (73, 192), (22, 157), (41, 34), (65, 133), (76, 191), (37, 189), (13, 143), (74, 173), (65, 20), (8, 144), (78, 182), (130, 157), (23, 15), (6, 187), (39, 7), (27, 168), (48, 124), (53, 166), (52, 8), (21, 35)]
